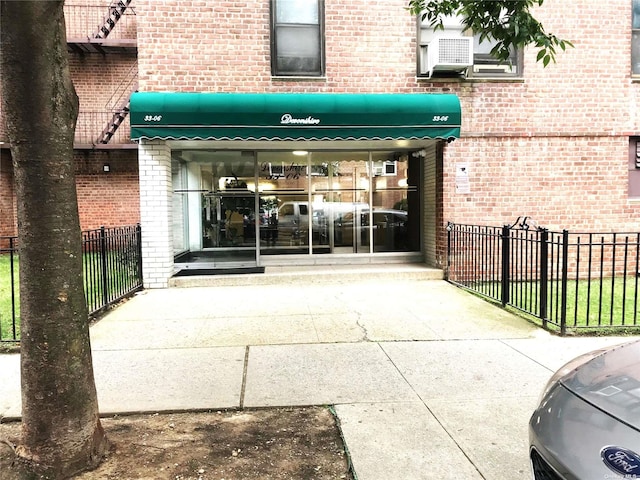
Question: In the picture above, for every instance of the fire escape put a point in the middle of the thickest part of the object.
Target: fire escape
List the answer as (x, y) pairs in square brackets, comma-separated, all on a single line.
[(113, 32)]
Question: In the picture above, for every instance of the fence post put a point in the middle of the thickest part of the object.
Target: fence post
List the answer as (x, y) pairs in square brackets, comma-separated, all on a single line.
[(506, 231), (12, 286), (139, 252), (565, 269), (105, 271), (544, 275), (448, 265)]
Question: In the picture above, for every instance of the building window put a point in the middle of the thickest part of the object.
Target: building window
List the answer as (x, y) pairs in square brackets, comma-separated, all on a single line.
[(486, 65), (634, 167), (454, 52), (297, 38), (635, 37)]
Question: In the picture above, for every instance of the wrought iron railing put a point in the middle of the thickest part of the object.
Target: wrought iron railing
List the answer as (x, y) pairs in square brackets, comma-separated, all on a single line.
[(571, 282), (85, 21), (89, 128), (112, 267), (91, 124)]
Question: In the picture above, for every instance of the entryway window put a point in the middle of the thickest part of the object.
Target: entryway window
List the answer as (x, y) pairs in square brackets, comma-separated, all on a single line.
[(238, 206), (297, 37)]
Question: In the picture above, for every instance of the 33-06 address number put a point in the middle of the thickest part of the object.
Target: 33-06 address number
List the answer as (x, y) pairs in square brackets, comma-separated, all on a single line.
[(441, 118), (152, 118)]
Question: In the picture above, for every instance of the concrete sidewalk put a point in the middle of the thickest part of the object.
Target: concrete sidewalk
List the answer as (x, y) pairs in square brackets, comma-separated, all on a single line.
[(427, 380)]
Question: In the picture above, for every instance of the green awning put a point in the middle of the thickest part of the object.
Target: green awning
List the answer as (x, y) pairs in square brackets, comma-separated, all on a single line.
[(293, 116)]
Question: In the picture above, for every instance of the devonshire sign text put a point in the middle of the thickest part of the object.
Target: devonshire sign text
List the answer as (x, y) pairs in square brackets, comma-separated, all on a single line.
[(288, 119)]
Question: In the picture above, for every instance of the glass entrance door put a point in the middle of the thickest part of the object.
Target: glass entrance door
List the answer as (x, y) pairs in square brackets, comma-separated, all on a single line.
[(340, 192), (313, 202), (232, 207)]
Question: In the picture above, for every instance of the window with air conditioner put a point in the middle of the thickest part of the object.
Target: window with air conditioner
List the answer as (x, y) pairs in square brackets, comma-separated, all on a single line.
[(297, 38), (486, 65), (455, 52), (385, 169), (634, 167)]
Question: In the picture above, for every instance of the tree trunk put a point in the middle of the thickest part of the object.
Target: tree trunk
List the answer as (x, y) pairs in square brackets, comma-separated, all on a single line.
[(61, 430)]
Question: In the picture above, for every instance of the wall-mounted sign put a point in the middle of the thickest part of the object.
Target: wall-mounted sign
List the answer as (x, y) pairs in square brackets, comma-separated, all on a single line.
[(462, 178)]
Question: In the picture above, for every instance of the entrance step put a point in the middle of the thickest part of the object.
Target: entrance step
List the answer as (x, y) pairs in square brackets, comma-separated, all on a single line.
[(317, 274)]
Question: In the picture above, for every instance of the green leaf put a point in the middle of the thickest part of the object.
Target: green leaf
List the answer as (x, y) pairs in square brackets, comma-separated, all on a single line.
[(508, 22)]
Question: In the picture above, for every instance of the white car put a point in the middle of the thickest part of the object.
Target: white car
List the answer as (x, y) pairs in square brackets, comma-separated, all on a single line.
[(587, 425)]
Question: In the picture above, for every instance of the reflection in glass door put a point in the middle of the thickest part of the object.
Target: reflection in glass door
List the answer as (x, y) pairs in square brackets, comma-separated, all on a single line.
[(235, 206), (396, 204), (340, 196), (221, 206), (284, 203), (336, 202)]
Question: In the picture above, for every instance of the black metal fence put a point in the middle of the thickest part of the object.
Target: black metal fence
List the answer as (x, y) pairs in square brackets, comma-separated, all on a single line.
[(570, 281), (112, 262)]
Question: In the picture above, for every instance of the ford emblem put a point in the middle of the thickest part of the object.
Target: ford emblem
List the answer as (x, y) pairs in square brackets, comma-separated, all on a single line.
[(622, 461)]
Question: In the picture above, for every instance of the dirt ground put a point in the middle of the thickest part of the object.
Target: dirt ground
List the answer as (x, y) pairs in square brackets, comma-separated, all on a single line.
[(264, 444)]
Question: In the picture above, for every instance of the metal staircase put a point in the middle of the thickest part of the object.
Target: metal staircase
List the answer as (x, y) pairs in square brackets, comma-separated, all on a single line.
[(118, 117), (116, 10)]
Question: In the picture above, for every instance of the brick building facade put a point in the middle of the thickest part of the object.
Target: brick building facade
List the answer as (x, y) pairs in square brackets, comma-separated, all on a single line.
[(556, 144)]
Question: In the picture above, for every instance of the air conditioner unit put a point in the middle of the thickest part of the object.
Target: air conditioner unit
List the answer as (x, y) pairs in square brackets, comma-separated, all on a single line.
[(385, 169), (447, 54)]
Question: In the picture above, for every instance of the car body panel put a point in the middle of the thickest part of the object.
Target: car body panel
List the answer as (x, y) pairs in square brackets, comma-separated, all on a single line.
[(589, 418), (570, 435), (611, 382)]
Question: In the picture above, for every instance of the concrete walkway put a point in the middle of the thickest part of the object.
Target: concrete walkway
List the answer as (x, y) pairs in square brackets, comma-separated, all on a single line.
[(428, 381)]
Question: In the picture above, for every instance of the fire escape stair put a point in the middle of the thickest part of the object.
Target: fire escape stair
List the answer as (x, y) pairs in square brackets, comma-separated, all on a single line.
[(119, 115), (116, 10)]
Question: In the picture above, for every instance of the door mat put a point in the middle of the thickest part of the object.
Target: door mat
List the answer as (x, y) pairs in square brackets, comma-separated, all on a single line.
[(218, 271)]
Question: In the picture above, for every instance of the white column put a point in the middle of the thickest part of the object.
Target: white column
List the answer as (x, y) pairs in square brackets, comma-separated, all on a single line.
[(156, 194)]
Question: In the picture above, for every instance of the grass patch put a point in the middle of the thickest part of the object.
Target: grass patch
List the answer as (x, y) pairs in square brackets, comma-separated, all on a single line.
[(6, 309), (610, 302), (596, 307), (122, 273)]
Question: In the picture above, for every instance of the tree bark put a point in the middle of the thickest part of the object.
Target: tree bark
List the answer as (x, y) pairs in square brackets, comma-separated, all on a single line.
[(61, 430)]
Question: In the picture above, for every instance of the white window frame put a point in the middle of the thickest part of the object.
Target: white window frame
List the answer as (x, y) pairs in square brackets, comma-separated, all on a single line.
[(275, 70)]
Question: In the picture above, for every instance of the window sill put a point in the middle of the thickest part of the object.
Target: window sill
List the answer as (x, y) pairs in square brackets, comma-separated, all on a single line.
[(471, 79), (284, 78)]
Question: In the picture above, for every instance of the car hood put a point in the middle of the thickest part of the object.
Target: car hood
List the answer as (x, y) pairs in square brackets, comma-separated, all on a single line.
[(611, 382)]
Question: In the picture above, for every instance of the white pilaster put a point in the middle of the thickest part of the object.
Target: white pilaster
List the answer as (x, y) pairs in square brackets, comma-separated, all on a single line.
[(156, 194)]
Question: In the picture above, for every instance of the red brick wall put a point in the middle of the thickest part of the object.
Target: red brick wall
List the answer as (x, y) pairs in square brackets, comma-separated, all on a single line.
[(225, 46), (7, 203), (104, 199), (99, 79), (578, 183), (111, 198), (552, 145), (101, 82)]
